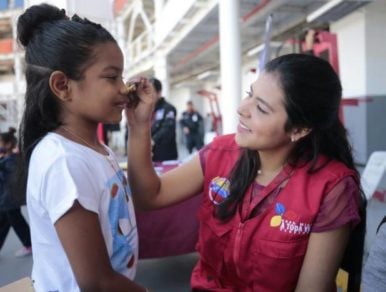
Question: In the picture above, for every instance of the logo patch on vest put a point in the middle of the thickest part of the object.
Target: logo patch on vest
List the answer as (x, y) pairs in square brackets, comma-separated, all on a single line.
[(218, 190), (287, 221)]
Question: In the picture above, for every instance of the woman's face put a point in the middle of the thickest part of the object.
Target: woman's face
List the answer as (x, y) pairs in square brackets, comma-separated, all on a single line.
[(262, 116)]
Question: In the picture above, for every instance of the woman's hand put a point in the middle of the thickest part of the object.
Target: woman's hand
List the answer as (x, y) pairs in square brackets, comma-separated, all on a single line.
[(142, 98)]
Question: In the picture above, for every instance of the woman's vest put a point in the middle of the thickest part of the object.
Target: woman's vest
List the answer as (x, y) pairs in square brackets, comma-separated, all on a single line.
[(262, 247)]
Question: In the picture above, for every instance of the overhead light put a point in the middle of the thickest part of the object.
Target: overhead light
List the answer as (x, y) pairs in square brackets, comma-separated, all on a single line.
[(204, 75), (323, 9), (259, 48)]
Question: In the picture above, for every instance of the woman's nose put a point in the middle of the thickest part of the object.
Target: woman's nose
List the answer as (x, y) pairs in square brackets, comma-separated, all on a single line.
[(244, 108)]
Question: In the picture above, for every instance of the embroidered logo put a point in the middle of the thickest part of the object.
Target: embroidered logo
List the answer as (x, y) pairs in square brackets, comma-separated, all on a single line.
[(287, 221), (218, 190)]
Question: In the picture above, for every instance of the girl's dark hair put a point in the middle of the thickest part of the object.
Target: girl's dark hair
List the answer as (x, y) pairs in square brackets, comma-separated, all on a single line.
[(52, 42), (312, 98)]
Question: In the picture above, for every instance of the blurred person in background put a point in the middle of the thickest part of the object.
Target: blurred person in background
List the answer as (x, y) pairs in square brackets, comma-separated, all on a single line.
[(192, 127), (10, 212), (163, 129)]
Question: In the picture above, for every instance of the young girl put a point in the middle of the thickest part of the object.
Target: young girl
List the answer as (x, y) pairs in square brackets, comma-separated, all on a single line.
[(279, 197), (10, 213), (83, 227)]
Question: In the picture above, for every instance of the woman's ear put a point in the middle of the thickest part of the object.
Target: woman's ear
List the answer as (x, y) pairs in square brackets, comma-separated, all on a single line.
[(298, 134), (59, 85)]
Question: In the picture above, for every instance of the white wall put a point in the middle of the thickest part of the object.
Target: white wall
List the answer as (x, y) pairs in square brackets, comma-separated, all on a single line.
[(248, 77), (362, 60), (6, 87), (178, 97), (375, 43), (352, 53), (58, 3), (96, 10)]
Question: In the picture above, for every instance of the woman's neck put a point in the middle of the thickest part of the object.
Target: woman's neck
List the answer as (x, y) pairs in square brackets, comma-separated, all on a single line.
[(272, 162)]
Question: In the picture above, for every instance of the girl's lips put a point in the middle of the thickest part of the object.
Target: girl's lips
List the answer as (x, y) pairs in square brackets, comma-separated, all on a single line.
[(121, 104)]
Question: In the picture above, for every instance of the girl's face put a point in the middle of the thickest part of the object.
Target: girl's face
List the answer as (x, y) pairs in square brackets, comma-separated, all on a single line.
[(98, 96), (262, 116)]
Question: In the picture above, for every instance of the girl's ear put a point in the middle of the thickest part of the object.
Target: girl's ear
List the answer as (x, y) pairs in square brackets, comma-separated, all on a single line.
[(59, 85), (298, 134)]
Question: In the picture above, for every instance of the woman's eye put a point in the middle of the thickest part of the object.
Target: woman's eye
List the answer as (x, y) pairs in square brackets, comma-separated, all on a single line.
[(261, 110)]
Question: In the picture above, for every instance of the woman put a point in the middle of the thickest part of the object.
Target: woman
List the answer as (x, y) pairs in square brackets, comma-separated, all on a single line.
[(280, 196)]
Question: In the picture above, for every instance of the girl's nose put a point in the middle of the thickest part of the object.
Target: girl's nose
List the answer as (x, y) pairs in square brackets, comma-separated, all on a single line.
[(123, 89)]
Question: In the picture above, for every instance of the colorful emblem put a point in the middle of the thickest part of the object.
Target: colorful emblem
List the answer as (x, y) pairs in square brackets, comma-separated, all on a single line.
[(288, 221), (218, 190)]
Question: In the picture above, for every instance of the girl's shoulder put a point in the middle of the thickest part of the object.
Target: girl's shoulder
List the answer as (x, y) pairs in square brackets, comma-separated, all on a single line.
[(54, 146)]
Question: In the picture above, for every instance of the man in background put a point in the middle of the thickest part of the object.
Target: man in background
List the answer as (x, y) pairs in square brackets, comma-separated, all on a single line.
[(163, 130), (192, 126)]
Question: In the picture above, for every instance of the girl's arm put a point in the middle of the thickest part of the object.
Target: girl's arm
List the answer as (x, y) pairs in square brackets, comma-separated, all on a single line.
[(323, 257), (149, 190), (81, 236)]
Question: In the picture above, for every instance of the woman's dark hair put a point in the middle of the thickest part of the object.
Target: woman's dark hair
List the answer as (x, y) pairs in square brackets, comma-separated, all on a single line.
[(312, 98), (52, 42)]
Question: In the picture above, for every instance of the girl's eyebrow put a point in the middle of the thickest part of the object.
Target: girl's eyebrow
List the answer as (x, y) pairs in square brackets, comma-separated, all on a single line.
[(111, 67)]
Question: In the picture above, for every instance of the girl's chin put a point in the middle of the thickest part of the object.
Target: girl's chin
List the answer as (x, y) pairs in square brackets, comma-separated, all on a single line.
[(116, 120)]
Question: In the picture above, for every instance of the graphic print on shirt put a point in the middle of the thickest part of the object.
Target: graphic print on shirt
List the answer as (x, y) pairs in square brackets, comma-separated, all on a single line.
[(218, 189), (288, 221), (122, 222)]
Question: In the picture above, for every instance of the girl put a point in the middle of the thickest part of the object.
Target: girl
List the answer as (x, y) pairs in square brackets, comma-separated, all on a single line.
[(83, 227), (279, 197), (10, 213)]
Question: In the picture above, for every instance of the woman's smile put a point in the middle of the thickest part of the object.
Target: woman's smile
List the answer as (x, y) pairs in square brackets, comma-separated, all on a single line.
[(241, 128)]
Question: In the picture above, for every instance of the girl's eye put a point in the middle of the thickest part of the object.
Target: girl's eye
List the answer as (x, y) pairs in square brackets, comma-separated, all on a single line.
[(249, 93), (112, 77)]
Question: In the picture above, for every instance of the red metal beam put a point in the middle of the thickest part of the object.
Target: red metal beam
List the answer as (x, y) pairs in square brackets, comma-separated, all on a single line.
[(256, 9), (198, 51)]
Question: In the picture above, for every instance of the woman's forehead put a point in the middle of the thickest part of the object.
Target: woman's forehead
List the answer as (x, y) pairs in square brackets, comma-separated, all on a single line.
[(268, 86)]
